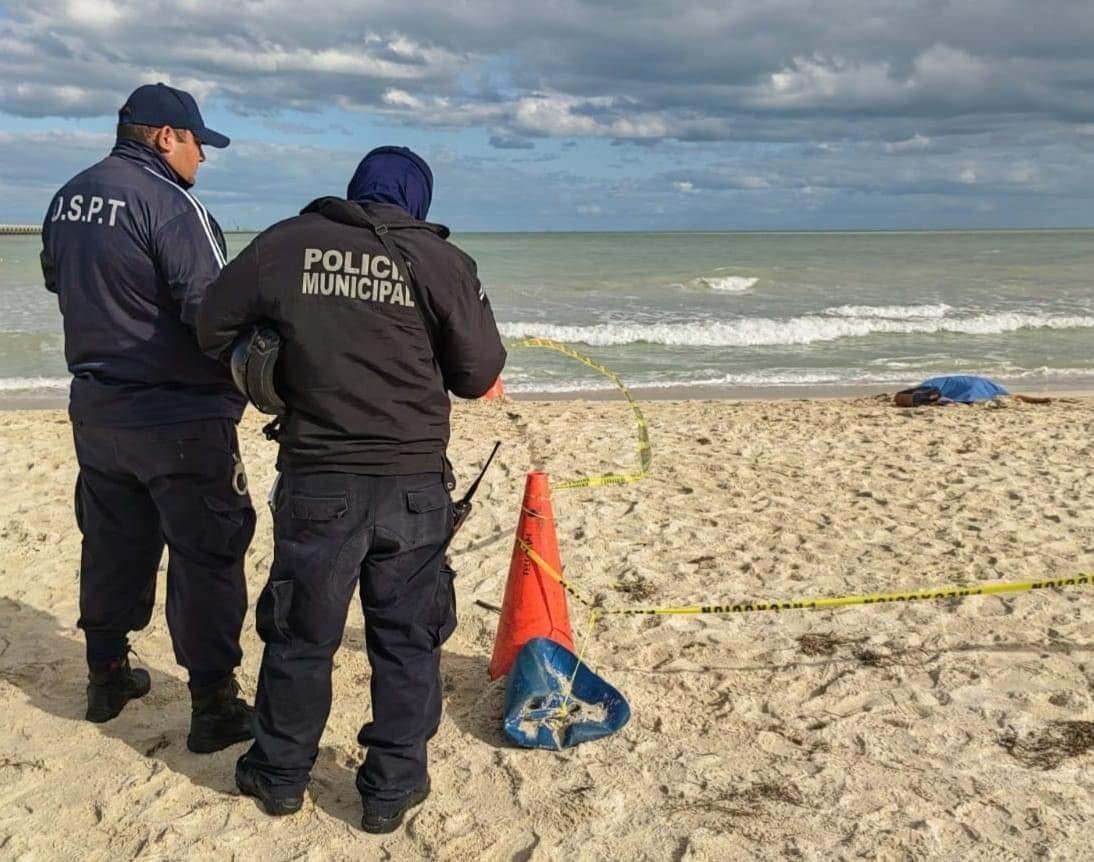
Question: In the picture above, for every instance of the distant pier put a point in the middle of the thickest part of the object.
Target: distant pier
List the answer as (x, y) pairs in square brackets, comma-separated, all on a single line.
[(10, 229)]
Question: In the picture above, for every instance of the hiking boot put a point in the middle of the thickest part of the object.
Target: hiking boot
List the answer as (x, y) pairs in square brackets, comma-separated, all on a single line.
[(250, 783), (380, 818), (219, 717), (111, 685)]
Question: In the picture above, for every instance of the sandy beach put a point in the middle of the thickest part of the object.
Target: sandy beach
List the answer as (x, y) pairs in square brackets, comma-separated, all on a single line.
[(957, 729)]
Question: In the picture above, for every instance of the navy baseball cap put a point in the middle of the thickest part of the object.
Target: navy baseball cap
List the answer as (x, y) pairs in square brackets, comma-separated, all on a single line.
[(160, 105)]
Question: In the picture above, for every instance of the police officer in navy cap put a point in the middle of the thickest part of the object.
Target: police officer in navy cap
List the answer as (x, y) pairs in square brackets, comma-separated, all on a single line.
[(380, 318), (129, 251)]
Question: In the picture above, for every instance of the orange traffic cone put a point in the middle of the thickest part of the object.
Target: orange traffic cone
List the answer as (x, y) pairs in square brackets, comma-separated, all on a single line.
[(534, 603), (495, 392)]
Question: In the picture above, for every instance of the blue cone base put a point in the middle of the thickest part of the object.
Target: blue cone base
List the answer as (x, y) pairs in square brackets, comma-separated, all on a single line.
[(538, 714)]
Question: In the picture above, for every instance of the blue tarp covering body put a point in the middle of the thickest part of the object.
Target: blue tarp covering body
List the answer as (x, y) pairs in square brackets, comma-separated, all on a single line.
[(537, 713), (965, 388)]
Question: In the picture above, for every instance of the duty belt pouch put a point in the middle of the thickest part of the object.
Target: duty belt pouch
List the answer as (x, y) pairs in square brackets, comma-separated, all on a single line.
[(253, 364), (265, 346)]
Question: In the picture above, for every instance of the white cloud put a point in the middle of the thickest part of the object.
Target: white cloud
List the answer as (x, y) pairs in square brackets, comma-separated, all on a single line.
[(402, 99), (916, 142), (558, 115), (889, 100), (277, 59), (816, 80), (737, 70), (945, 67), (98, 14)]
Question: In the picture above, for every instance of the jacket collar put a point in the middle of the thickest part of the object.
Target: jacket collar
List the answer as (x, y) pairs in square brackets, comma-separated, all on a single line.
[(350, 212), (145, 156)]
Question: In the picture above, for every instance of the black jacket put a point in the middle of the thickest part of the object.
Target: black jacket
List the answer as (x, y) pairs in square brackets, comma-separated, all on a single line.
[(129, 253), (367, 355)]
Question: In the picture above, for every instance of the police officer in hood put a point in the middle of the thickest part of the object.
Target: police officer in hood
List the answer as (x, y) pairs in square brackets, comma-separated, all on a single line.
[(380, 318), (129, 252)]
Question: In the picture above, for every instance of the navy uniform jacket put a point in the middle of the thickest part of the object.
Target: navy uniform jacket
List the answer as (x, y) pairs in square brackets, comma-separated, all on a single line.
[(368, 354), (129, 253)]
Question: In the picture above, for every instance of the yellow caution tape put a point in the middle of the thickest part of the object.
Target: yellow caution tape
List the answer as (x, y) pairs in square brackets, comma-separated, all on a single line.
[(645, 457), (645, 453), (746, 607)]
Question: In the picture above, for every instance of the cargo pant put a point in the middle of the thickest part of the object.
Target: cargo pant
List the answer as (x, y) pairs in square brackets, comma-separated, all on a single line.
[(181, 485), (333, 531)]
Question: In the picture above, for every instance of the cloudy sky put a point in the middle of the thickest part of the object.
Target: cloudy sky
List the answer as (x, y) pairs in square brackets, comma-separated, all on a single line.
[(567, 115)]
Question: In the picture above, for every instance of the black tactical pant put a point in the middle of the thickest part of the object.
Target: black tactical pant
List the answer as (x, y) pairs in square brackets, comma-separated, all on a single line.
[(181, 485), (332, 530)]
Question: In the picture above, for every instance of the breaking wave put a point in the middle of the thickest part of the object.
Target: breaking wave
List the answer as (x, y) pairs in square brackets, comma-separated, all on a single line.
[(808, 329), (820, 378), (725, 283), (892, 312)]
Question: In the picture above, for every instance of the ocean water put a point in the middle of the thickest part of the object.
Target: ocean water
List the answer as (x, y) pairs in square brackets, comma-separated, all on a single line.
[(704, 311)]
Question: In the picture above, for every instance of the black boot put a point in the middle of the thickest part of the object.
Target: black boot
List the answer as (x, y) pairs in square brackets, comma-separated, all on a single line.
[(219, 717), (112, 684), (380, 818), (275, 802)]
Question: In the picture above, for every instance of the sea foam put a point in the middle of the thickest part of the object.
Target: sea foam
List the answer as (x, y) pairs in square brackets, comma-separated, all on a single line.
[(892, 312), (725, 283), (807, 329), (34, 384)]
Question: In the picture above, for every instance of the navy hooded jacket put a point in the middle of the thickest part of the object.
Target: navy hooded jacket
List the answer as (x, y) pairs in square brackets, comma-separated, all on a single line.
[(393, 175), (369, 350), (129, 253)]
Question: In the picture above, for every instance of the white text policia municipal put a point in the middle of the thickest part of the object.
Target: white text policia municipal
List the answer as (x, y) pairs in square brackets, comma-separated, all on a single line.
[(330, 272)]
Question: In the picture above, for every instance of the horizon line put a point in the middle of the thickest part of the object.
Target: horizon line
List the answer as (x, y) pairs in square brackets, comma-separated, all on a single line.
[(14, 229)]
